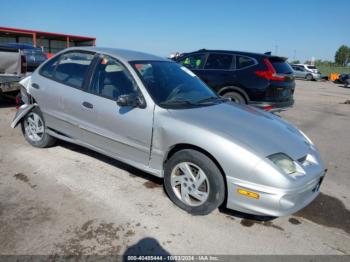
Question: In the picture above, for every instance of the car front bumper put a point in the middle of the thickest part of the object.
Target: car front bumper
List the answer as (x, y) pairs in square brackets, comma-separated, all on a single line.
[(272, 201), (316, 76)]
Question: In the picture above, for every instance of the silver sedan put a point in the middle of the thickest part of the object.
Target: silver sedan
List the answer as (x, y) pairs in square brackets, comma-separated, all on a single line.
[(158, 116)]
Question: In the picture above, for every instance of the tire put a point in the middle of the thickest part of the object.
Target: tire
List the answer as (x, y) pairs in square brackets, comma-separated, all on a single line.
[(177, 183), (33, 129), (309, 77), (235, 97)]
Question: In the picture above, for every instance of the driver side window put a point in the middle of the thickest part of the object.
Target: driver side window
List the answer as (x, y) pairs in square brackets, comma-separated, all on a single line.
[(111, 79), (194, 61)]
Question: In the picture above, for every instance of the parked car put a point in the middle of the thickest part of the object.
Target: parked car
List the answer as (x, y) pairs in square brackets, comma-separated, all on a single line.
[(158, 116), (344, 79), (308, 72), (34, 56), (13, 68), (260, 80)]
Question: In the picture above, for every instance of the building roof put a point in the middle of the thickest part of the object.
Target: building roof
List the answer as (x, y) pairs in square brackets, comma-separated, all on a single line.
[(46, 34), (124, 54)]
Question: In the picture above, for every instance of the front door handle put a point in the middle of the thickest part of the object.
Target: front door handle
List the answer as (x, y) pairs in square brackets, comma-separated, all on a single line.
[(36, 86), (88, 105)]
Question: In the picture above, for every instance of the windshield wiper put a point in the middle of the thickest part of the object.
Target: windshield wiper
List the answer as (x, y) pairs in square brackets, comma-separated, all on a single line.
[(209, 99), (176, 102)]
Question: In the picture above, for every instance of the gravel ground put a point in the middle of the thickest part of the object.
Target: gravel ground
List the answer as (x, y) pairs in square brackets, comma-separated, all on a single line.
[(70, 200)]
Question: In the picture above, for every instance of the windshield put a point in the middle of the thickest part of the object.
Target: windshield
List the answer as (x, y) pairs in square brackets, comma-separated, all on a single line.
[(311, 67), (170, 84)]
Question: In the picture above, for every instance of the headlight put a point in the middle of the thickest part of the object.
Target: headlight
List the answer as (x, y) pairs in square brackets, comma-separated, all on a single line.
[(284, 162)]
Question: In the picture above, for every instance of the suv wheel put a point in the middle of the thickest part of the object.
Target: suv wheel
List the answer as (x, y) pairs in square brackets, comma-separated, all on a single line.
[(309, 77), (193, 182), (234, 97), (34, 129)]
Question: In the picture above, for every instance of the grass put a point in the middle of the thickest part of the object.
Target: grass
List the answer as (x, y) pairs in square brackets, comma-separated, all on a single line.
[(327, 70)]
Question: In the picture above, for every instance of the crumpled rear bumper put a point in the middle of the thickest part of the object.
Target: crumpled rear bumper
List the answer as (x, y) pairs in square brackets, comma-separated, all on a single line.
[(21, 112)]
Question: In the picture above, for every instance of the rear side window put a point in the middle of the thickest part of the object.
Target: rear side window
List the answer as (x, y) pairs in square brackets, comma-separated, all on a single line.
[(219, 61), (194, 61), (282, 67), (244, 61), (72, 68), (49, 68)]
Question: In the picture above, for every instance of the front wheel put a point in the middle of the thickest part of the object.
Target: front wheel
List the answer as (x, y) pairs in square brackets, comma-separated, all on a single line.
[(194, 182), (34, 129), (309, 77)]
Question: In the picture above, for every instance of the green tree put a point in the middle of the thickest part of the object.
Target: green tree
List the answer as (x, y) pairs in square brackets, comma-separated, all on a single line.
[(295, 62), (342, 56)]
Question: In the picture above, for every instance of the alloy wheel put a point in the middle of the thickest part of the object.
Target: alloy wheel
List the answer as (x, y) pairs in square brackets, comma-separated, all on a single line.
[(190, 184), (34, 127)]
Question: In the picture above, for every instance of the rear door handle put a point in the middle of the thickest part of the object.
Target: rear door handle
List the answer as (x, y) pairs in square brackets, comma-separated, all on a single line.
[(88, 105), (36, 86)]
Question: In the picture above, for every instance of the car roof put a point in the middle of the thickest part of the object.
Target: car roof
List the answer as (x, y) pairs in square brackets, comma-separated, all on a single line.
[(226, 51), (244, 53), (304, 65), (123, 54)]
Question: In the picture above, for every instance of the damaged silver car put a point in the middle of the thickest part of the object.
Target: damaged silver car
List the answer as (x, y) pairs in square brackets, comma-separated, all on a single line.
[(158, 116)]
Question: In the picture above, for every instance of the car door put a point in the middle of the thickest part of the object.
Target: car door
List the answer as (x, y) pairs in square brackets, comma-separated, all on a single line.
[(299, 72), (57, 88), (122, 132), (303, 72), (218, 71)]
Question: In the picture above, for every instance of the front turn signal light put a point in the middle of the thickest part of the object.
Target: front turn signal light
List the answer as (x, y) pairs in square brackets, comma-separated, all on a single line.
[(248, 193)]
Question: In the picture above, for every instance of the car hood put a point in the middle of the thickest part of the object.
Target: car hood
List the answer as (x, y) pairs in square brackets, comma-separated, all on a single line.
[(262, 132)]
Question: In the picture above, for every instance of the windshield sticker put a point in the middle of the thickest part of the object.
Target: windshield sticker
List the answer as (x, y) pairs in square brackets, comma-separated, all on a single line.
[(188, 71)]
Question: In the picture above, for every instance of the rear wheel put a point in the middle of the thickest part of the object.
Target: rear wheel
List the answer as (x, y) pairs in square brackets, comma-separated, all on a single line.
[(193, 182), (234, 97), (34, 129), (309, 77)]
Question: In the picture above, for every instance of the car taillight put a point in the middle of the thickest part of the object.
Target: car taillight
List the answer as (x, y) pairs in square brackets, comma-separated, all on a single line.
[(18, 101), (268, 108), (23, 64), (270, 73)]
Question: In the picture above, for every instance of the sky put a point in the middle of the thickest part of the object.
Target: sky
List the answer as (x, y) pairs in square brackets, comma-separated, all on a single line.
[(296, 29)]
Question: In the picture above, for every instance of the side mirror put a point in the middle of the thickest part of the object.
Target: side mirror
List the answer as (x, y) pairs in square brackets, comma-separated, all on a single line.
[(132, 100)]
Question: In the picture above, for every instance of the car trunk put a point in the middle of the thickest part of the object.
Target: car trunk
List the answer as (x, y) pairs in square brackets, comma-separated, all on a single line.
[(281, 90)]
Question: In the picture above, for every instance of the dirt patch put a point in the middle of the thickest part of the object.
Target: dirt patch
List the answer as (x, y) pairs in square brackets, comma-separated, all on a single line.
[(17, 220), (327, 211), (22, 177), (96, 238), (151, 184), (249, 223), (294, 221)]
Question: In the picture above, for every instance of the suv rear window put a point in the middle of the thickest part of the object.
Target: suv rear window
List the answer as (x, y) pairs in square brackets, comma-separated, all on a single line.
[(244, 61), (281, 67), (219, 61)]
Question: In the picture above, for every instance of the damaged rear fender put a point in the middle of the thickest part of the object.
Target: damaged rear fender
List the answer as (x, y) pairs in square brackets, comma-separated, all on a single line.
[(21, 112)]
